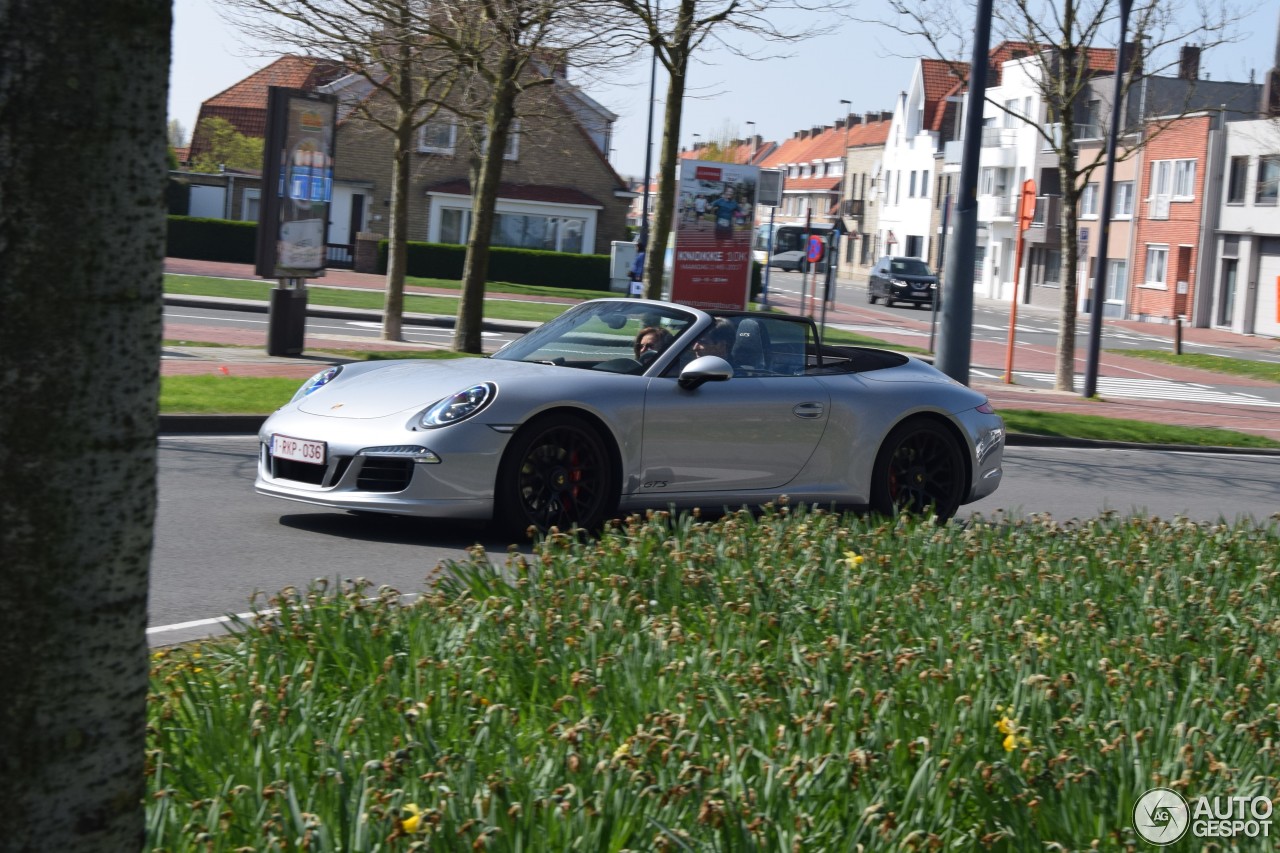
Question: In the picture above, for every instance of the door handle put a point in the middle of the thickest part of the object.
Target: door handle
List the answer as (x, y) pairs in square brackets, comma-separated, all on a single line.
[(808, 410)]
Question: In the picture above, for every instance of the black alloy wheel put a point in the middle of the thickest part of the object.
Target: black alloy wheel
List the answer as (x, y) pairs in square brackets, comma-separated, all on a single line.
[(871, 293), (556, 473), (919, 470)]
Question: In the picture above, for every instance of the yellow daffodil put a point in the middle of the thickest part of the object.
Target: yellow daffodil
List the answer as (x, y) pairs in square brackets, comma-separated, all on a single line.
[(1010, 743), (853, 558), (1006, 726), (623, 749), (410, 824)]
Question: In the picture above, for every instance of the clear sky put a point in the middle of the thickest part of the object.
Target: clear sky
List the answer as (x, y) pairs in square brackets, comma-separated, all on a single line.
[(855, 62)]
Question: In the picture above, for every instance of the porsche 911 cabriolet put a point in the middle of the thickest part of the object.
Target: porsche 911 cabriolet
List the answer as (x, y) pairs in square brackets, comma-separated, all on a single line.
[(621, 405)]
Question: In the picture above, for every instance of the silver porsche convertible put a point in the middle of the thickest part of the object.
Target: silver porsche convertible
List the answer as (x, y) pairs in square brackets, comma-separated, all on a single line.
[(626, 404)]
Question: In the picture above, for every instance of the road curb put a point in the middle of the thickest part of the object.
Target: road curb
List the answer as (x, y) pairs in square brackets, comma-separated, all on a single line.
[(331, 313)]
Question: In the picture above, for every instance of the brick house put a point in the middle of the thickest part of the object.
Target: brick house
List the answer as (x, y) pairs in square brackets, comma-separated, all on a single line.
[(558, 190)]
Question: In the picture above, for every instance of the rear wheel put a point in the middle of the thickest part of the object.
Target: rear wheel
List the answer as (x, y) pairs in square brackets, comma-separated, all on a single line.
[(919, 469), (556, 473)]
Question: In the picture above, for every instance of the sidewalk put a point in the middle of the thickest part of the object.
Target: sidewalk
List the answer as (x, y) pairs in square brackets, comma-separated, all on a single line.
[(895, 326)]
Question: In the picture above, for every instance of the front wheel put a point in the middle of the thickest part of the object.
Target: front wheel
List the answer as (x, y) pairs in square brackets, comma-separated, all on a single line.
[(919, 469), (556, 473), (871, 295)]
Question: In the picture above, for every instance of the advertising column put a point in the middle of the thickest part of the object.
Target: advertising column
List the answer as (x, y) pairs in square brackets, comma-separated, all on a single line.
[(714, 225), (298, 165)]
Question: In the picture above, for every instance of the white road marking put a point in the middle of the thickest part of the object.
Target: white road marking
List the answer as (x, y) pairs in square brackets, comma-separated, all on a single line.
[(1160, 389)]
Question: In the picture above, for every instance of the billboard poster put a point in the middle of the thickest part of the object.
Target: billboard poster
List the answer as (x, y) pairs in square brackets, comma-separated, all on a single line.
[(716, 206), (298, 163)]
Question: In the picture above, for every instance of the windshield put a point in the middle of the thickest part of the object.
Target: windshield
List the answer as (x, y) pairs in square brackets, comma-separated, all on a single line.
[(621, 336), (909, 266)]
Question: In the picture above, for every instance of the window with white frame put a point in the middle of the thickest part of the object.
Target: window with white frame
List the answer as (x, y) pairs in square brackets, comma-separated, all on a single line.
[(1157, 267), (1089, 201), (911, 188), (1117, 279), (518, 230), (1184, 180), (1268, 192), (439, 135), (512, 151), (1122, 204)]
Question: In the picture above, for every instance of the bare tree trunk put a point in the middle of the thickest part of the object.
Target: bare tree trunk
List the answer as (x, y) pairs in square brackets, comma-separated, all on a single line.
[(668, 162), (484, 196), (398, 239), (82, 226), (1064, 377)]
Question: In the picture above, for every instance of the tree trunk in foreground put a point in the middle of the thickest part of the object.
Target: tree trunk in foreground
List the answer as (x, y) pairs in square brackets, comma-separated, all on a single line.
[(82, 229)]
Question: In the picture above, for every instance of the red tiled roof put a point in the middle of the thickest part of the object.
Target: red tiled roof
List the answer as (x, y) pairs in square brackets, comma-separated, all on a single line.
[(521, 192), (942, 80), (244, 104)]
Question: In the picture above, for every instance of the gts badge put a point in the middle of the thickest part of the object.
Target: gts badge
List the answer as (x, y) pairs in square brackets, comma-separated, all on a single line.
[(654, 484)]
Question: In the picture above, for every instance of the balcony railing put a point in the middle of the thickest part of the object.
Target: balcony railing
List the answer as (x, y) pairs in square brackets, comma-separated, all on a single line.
[(853, 207), (999, 137)]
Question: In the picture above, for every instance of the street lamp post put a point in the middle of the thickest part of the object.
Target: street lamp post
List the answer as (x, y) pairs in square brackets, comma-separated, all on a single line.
[(648, 148), (844, 169), (1104, 217), (752, 134)]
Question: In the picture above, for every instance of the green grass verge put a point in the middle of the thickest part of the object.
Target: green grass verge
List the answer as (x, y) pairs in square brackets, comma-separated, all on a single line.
[(1120, 429), (494, 309), (789, 682), (1266, 370)]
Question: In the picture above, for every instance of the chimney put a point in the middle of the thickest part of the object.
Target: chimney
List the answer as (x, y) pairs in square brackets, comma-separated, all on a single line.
[(1189, 62), (839, 124), (1130, 61), (802, 134), (815, 131), (1271, 85), (853, 119), (886, 116)]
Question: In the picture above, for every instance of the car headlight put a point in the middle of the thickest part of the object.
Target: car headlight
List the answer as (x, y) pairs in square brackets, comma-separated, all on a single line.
[(315, 383), (457, 407)]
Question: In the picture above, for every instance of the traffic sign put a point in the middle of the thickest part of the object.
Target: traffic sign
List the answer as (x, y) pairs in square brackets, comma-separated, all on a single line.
[(816, 248)]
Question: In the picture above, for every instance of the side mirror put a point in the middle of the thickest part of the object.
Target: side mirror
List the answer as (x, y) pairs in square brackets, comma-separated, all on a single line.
[(708, 368)]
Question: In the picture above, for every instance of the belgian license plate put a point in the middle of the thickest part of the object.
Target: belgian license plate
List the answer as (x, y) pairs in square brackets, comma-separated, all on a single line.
[(298, 449)]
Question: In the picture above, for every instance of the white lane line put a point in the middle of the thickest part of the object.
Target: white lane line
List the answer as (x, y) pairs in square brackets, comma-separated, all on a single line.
[(1161, 389)]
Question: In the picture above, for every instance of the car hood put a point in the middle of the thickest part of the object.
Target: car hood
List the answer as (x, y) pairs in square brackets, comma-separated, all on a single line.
[(913, 279), (387, 388)]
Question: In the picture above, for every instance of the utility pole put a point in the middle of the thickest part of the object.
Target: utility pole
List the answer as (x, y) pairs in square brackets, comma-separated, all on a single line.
[(955, 339)]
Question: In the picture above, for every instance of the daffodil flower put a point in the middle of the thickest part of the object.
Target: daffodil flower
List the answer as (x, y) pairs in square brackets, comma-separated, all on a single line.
[(411, 823), (1006, 726), (853, 558), (1010, 743)]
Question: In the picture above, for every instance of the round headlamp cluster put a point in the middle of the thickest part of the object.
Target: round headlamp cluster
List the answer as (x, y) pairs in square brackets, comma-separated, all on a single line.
[(458, 407)]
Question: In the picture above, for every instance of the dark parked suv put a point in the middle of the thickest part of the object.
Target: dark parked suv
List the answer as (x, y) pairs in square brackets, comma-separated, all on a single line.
[(900, 279)]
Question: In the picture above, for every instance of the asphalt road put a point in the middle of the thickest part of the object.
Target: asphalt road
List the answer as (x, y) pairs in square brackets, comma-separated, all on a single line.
[(218, 543)]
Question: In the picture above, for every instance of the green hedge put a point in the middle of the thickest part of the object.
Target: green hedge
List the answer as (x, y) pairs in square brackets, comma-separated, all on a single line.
[(212, 239), (516, 266)]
